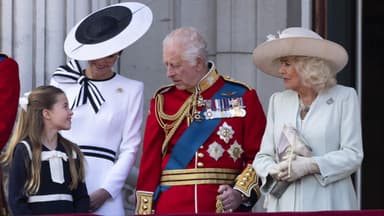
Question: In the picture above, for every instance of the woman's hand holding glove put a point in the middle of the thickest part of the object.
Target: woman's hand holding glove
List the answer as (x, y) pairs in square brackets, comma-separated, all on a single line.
[(299, 167)]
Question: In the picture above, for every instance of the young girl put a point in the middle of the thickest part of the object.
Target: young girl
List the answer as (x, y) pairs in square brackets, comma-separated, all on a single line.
[(46, 173)]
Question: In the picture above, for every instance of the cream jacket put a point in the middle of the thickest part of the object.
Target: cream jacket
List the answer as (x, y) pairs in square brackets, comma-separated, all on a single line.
[(332, 128)]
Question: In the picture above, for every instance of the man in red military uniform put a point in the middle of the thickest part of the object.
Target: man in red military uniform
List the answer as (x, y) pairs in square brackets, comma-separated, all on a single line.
[(9, 100), (201, 136)]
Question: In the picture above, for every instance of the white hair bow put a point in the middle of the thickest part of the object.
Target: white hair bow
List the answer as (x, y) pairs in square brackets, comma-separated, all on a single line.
[(23, 101)]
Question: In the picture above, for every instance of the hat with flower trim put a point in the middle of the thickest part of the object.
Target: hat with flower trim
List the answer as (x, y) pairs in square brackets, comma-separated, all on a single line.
[(297, 41)]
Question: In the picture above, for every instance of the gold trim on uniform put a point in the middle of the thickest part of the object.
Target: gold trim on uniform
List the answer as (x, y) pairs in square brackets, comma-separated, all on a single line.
[(171, 122), (199, 181), (205, 170), (207, 81), (247, 181), (229, 79), (219, 205), (144, 203), (175, 119), (163, 89), (198, 176)]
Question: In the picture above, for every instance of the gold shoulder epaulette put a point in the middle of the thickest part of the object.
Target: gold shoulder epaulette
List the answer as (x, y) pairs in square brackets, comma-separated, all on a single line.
[(229, 79), (163, 89)]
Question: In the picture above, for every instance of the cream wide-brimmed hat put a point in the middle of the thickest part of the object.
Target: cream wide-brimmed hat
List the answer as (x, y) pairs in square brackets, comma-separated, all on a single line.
[(108, 31), (297, 41)]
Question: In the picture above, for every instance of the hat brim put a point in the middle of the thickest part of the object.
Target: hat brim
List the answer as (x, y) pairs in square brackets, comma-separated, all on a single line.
[(266, 55), (138, 26)]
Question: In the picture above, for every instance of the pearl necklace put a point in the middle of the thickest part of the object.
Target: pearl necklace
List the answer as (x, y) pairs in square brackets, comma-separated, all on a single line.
[(304, 109)]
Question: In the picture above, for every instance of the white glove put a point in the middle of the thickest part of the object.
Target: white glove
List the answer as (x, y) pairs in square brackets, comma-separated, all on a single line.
[(291, 170), (274, 171)]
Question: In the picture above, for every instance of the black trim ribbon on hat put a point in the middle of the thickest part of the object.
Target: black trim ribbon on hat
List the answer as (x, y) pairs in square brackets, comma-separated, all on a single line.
[(72, 73)]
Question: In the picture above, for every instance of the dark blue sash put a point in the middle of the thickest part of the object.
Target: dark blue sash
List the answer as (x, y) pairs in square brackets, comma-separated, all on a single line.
[(197, 133)]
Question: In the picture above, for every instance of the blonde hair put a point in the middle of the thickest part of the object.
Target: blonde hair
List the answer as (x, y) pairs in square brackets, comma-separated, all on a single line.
[(30, 126), (315, 72)]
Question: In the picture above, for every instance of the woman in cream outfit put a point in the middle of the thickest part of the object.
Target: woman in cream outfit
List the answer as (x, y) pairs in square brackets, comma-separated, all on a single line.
[(323, 114)]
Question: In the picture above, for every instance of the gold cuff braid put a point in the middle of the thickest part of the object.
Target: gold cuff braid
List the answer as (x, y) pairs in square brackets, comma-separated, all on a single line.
[(247, 181), (144, 203)]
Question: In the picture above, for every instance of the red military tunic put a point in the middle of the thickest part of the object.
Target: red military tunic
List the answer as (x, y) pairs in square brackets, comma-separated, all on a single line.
[(9, 100), (9, 96), (224, 155)]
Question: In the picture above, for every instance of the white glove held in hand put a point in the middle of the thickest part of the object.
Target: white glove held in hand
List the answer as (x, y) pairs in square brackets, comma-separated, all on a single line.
[(277, 170), (300, 166), (274, 171)]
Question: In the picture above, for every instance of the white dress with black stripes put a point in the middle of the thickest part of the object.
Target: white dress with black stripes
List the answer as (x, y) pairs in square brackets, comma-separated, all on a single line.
[(109, 138)]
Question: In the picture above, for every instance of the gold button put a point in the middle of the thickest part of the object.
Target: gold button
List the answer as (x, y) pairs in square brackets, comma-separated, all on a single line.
[(242, 183), (145, 207), (200, 164), (245, 178), (200, 155), (145, 200)]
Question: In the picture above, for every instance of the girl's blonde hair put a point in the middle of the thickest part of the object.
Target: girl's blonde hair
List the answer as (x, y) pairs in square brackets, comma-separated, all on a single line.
[(30, 127)]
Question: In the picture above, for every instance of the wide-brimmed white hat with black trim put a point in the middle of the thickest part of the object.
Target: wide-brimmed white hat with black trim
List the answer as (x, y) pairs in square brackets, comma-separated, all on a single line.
[(297, 41), (108, 31)]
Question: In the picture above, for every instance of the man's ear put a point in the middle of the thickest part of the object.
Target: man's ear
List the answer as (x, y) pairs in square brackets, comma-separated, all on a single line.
[(200, 63)]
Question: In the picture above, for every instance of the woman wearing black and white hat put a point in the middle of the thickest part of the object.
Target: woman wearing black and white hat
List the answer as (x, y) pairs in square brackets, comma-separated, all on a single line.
[(108, 108), (312, 143)]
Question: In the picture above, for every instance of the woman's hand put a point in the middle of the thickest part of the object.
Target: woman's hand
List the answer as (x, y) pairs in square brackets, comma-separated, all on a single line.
[(97, 199)]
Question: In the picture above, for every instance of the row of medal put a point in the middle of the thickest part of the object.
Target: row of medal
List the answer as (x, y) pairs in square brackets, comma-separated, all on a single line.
[(222, 108)]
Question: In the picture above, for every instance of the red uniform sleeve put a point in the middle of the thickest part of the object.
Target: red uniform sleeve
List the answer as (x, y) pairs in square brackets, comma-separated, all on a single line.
[(254, 125), (9, 97), (150, 164)]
